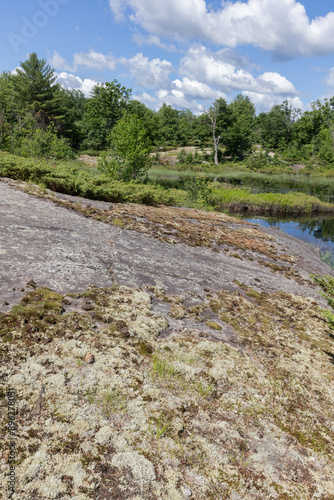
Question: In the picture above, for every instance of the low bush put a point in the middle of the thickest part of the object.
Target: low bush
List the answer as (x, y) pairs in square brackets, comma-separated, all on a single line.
[(199, 190), (78, 183)]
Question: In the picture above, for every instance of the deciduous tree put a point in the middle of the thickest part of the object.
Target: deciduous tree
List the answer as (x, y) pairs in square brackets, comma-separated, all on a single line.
[(239, 136), (129, 156), (103, 110)]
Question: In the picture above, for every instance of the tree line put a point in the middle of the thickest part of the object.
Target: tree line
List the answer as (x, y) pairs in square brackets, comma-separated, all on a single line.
[(38, 117)]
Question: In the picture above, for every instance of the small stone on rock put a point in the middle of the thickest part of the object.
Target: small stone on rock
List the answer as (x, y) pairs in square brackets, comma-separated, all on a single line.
[(89, 358)]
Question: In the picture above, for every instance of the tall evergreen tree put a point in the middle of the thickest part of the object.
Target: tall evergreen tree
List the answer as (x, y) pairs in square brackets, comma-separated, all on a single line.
[(35, 92)]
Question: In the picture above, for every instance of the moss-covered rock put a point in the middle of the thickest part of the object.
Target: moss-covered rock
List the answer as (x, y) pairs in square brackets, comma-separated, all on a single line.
[(253, 419)]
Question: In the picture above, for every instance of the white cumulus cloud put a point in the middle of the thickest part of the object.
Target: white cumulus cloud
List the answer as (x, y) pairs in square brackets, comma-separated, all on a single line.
[(213, 68), (174, 98), (141, 39), (91, 60), (70, 81), (195, 89), (202, 77), (59, 63), (330, 79), (276, 84), (148, 73), (280, 26), (264, 102), (94, 60)]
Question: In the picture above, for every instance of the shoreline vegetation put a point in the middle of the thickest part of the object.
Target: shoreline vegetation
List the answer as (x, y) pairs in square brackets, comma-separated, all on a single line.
[(75, 178), (243, 201)]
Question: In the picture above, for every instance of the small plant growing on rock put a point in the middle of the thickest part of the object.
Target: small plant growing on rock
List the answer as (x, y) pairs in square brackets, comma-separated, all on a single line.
[(110, 401), (162, 369), (205, 390)]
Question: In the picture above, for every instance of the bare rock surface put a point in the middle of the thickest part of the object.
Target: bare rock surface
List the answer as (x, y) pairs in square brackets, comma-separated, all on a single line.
[(60, 248), (160, 352)]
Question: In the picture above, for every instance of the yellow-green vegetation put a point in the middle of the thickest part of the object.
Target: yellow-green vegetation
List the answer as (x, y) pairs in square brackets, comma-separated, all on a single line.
[(327, 284), (109, 401), (165, 416), (242, 200)]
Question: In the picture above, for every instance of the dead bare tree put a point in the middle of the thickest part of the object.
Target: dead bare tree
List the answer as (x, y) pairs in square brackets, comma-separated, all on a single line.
[(214, 113), (213, 119)]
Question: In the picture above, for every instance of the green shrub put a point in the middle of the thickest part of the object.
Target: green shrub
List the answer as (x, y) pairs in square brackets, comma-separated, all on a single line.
[(72, 181), (327, 284), (199, 190), (129, 156), (38, 143)]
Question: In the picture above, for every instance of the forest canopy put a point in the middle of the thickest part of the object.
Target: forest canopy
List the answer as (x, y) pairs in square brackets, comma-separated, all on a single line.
[(38, 117)]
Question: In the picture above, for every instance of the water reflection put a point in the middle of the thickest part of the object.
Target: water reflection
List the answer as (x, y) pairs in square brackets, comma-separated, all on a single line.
[(318, 231)]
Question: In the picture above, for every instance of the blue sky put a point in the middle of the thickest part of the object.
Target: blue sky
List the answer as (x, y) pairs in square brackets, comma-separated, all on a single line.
[(182, 52)]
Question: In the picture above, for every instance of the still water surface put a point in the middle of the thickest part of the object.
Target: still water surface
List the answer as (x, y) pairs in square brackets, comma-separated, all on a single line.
[(318, 231)]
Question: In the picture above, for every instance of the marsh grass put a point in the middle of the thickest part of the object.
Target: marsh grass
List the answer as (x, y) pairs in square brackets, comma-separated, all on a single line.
[(167, 374), (291, 180), (159, 426), (239, 459), (117, 222), (205, 389), (238, 173), (295, 202), (242, 200)]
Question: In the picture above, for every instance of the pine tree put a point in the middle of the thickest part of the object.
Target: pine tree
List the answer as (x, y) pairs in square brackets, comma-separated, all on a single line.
[(36, 92)]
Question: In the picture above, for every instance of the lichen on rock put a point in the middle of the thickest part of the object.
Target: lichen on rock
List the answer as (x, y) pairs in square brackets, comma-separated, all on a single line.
[(209, 392), (249, 417)]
